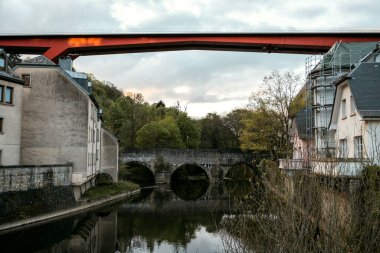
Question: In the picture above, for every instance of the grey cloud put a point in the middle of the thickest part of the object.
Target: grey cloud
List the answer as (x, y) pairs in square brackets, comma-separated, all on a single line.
[(56, 16)]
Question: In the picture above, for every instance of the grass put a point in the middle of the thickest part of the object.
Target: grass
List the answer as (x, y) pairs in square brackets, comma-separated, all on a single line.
[(110, 189)]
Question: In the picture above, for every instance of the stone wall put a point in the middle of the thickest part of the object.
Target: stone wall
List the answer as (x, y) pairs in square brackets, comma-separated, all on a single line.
[(54, 127), (216, 163), (27, 191)]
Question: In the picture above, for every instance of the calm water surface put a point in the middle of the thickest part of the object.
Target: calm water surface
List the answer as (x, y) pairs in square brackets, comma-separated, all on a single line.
[(158, 220)]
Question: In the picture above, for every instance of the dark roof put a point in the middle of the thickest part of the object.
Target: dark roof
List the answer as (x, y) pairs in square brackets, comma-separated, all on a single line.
[(364, 83), (9, 75), (301, 119), (344, 54)]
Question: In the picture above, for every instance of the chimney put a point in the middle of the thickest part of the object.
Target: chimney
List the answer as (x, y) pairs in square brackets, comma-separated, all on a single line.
[(66, 63)]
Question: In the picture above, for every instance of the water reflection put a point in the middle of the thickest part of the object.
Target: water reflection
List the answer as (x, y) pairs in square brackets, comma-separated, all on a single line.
[(190, 189), (155, 221), (93, 233)]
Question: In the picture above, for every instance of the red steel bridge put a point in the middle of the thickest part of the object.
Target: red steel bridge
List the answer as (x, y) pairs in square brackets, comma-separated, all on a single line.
[(60, 45)]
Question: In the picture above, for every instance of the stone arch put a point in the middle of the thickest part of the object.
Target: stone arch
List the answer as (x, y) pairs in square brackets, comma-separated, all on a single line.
[(189, 189), (253, 169), (103, 178), (142, 165), (207, 170)]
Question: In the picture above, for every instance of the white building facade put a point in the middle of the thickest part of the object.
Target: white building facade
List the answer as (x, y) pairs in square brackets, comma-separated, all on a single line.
[(355, 122), (11, 88)]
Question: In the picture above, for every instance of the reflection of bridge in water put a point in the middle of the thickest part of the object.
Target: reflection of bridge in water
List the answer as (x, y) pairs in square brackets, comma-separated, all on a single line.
[(216, 163), (162, 199)]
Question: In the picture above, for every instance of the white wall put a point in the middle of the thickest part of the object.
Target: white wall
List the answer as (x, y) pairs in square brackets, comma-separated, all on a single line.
[(350, 126), (10, 136)]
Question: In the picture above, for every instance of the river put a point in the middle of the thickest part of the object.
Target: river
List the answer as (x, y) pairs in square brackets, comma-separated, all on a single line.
[(160, 219)]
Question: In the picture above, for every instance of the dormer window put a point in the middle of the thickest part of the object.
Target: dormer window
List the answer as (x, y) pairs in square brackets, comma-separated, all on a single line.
[(2, 62)]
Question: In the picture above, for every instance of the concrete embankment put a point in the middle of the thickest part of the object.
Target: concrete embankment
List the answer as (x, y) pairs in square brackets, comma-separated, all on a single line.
[(53, 216)]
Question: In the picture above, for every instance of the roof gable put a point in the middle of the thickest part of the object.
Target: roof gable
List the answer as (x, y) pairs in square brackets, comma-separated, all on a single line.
[(364, 83), (8, 74)]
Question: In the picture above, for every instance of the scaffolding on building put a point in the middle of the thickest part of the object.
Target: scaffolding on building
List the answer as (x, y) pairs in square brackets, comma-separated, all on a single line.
[(321, 73)]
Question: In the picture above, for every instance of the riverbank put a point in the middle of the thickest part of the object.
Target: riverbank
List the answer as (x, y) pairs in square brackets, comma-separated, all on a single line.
[(85, 205)]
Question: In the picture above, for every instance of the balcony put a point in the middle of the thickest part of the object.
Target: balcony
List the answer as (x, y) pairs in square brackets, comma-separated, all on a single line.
[(292, 164)]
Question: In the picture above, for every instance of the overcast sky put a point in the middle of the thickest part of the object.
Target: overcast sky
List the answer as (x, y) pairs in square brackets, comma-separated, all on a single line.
[(205, 80)]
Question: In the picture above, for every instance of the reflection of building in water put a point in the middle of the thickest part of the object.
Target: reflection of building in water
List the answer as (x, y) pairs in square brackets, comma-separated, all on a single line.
[(95, 234)]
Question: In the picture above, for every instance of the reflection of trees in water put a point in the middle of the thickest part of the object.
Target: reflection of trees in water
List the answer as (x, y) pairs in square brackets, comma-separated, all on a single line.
[(144, 193), (241, 172), (145, 230)]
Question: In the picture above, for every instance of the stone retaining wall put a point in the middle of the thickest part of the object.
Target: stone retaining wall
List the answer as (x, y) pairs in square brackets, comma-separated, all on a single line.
[(27, 191)]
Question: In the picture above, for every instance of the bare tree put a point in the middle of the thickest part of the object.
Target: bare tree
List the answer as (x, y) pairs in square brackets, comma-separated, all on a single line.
[(277, 92)]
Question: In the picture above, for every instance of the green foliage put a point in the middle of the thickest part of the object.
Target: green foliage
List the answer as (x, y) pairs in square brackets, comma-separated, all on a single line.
[(160, 134), (126, 115), (215, 134), (262, 130), (190, 132), (274, 99), (234, 121), (109, 190)]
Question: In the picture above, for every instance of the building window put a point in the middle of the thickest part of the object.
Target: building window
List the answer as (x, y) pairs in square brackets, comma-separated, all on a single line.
[(358, 147), (343, 148), (27, 80), (2, 63), (352, 105), (9, 95), (2, 93), (1, 125), (344, 112), (0, 156)]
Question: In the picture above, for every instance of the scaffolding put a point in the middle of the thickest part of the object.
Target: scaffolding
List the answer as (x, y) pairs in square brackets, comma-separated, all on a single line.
[(321, 73)]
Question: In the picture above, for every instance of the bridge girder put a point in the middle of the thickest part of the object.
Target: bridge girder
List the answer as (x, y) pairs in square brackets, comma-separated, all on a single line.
[(55, 46)]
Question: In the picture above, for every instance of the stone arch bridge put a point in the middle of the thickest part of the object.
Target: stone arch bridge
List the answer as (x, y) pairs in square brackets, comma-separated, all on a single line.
[(163, 162)]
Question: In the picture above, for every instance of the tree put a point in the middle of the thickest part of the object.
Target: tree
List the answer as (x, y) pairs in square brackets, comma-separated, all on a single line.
[(160, 134), (262, 130), (190, 132), (215, 134), (276, 93), (14, 59), (127, 116), (234, 121)]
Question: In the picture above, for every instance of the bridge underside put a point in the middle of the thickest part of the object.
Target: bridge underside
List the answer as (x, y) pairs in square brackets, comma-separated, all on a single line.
[(55, 46)]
